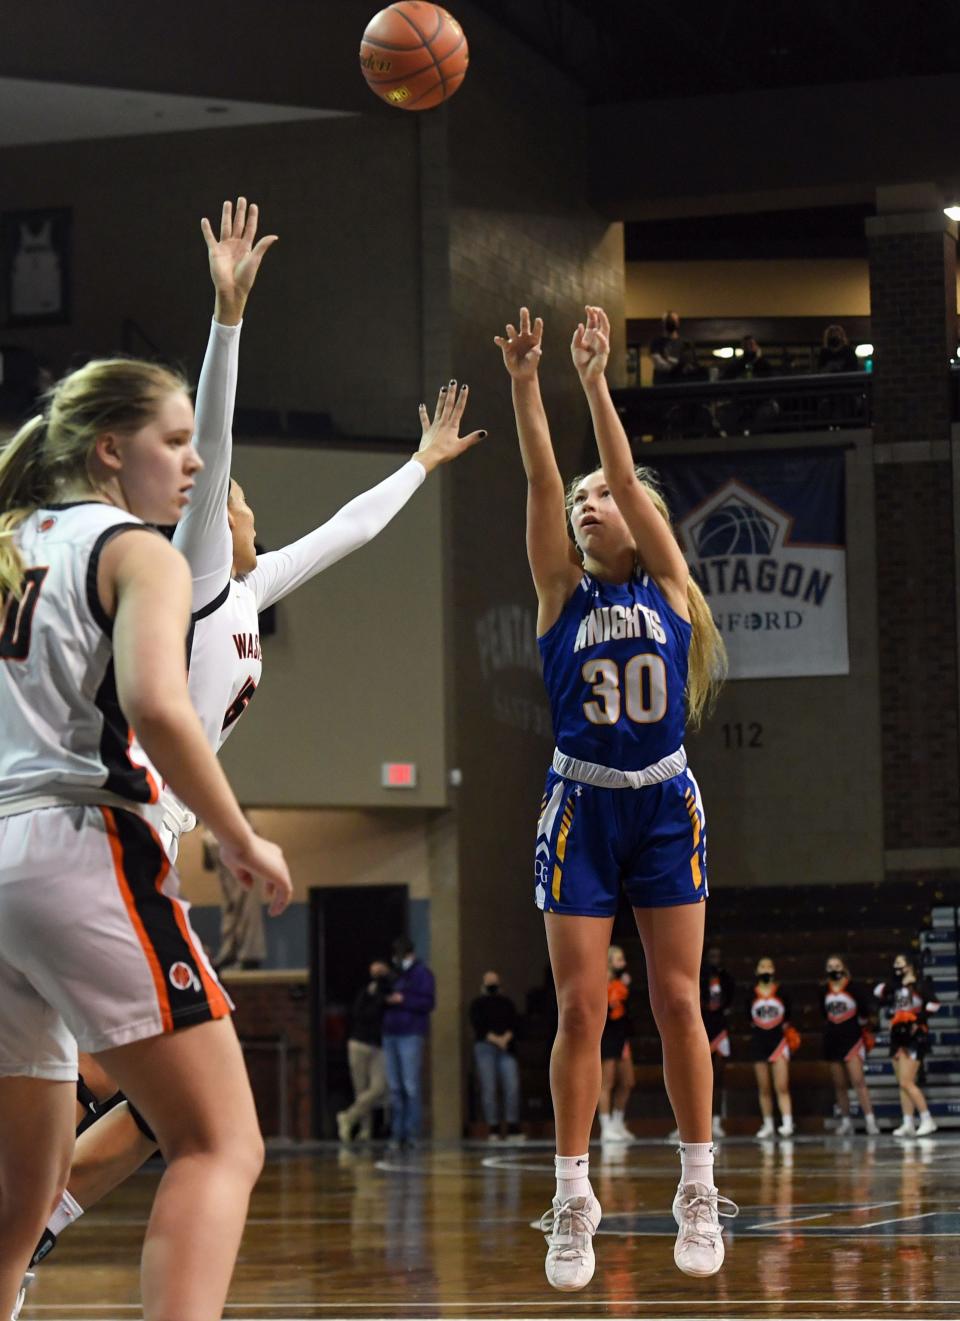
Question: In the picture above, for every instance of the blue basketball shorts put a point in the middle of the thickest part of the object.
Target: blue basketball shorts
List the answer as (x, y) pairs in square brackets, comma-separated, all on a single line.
[(591, 841)]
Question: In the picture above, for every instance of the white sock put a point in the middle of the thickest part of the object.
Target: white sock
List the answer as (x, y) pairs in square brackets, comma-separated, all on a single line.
[(696, 1162), (605, 1122), (924, 1116), (573, 1176), (618, 1118), (67, 1210)]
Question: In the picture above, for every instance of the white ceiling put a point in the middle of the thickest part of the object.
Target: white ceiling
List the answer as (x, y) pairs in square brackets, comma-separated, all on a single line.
[(32, 112)]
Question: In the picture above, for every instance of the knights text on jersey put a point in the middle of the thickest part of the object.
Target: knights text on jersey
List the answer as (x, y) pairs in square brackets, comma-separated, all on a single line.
[(615, 669), (65, 737)]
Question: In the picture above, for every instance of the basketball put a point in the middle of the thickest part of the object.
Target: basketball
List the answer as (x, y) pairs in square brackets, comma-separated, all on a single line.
[(414, 55)]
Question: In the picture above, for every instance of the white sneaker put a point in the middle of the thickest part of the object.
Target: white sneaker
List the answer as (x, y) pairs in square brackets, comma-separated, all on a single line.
[(718, 1130), (845, 1127), (569, 1228), (767, 1130), (906, 1129), (699, 1247), (673, 1135), (927, 1126), (610, 1133), (515, 1139), (873, 1128), (493, 1137), (28, 1279), (786, 1128), (344, 1127)]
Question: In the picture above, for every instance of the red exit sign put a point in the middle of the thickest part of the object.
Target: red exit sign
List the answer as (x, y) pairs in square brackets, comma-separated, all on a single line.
[(398, 775)]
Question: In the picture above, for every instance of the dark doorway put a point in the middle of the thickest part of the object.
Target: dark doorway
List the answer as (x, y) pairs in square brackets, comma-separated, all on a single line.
[(349, 926)]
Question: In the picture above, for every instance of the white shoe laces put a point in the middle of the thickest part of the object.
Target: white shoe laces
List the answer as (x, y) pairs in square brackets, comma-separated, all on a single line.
[(700, 1216), (567, 1228)]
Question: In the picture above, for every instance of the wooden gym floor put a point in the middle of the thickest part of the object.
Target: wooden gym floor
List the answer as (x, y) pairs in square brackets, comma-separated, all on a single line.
[(845, 1229)]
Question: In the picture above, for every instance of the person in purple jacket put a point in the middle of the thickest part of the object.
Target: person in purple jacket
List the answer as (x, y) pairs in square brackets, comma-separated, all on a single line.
[(406, 1021)]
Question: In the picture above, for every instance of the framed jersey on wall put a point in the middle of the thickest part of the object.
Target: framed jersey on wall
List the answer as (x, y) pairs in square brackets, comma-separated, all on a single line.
[(35, 248)]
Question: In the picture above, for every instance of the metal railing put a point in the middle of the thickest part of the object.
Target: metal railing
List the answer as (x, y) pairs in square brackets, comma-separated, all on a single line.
[(759, 406)]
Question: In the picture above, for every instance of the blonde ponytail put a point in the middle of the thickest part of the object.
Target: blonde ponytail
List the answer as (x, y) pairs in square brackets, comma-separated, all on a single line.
[(707, 660), (21, 490)]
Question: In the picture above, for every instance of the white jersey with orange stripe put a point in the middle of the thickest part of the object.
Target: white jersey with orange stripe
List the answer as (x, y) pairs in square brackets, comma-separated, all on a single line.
[(64, 737)]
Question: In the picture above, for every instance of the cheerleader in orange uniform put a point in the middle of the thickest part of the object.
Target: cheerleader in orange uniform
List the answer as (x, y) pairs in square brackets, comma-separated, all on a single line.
[(770, 1046)]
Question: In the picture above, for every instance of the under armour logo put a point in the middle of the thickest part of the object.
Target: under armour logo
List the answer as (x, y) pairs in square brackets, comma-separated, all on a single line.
[(579, 790)]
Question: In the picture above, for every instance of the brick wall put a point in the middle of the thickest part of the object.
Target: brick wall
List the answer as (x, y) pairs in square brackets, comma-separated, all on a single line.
[(270, 1008), (912, 283), (913, 268), (918, 655)]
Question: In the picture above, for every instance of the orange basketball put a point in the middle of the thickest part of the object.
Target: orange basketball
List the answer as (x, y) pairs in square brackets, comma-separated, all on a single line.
[(414, 55)]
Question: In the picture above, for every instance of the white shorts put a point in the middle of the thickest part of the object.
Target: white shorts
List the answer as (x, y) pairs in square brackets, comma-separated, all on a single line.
[(96, 948)]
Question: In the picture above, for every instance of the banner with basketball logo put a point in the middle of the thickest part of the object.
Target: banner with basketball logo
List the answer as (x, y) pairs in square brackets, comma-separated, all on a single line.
[(764, 535)]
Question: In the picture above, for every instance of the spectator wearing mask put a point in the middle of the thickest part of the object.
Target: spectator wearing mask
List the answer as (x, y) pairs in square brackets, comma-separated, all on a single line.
[(406, 1022), (365, 1055), (846, 1041), (674, 358), (836, 353), (770, 1044), (493, 1017), (910, 999)]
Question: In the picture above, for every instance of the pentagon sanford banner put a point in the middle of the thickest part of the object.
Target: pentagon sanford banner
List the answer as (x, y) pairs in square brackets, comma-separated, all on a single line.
[(764, 535)]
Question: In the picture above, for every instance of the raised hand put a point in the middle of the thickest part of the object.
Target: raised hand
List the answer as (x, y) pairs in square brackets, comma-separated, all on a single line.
[(234, 257), (522, 351), (441, 440), (590, 347)]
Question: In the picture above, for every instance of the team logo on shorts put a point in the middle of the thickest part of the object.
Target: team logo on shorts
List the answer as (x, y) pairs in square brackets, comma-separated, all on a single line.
[(183, 978)]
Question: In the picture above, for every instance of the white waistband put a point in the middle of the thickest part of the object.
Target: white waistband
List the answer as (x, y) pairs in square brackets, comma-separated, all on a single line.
[(179, 820), (606, 777), (81, 797)]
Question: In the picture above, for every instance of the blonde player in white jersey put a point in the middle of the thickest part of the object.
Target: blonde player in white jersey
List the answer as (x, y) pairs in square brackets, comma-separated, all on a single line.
[(95, 946), (231, 584)]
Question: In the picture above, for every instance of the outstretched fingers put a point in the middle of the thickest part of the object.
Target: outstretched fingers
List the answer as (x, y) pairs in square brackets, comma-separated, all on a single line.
[(206, 229), (226, 221), (441, 401), (459, 405), (239, 218), (249, 231)]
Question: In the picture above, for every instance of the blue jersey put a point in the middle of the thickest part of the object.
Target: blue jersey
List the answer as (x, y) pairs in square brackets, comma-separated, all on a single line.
[(615, 667)]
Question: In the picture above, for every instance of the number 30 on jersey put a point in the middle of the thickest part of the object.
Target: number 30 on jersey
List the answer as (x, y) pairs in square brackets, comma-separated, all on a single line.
[(642, 692)]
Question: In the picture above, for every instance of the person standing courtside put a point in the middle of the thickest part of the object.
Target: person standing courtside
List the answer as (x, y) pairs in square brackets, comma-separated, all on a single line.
[(406, 1023), (493, 1017), (365, 1055)]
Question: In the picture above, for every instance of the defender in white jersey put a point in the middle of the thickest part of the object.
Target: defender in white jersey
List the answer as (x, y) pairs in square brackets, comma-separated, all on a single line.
[(95, 945), (231, 585)]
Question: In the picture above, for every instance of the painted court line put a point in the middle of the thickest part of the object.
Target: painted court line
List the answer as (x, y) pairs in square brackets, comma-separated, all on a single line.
[(821, 1215)]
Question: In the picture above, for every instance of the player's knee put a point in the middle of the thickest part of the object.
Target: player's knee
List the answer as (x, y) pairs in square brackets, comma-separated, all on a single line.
[(580, 1014), (676, 1003)]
